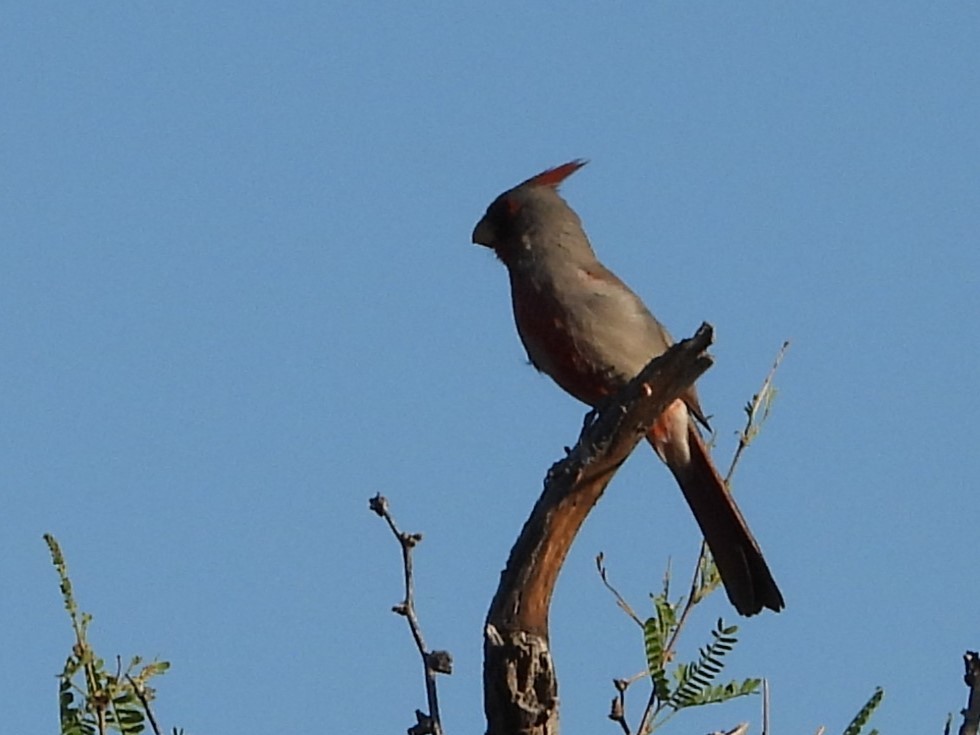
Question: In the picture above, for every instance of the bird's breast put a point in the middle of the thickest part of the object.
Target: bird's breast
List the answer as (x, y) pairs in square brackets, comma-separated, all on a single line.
[(556, 343)]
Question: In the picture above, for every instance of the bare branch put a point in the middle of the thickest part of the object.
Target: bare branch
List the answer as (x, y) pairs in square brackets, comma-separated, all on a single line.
[(971, 715), (434, 662), (520, 687), (623, 604), (617, 710)]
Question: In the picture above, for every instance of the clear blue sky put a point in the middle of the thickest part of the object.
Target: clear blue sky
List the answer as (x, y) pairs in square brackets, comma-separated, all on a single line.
[(239, 298)]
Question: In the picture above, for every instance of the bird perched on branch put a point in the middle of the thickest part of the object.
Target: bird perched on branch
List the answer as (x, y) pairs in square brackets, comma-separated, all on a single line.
[(584, 327)]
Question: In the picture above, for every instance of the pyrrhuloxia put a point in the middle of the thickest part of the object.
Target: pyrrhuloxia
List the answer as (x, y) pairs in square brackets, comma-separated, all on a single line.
[(586, 329)]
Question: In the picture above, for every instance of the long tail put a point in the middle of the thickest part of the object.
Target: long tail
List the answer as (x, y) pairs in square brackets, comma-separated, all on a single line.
[(743, 570)]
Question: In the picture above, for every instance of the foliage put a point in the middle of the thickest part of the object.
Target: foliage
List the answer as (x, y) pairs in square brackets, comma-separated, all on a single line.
[(690, 684), (694, 680), (91, 698), (693, 683), (680, 685)]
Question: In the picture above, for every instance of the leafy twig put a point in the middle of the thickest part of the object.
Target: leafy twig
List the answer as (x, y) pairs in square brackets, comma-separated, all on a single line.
[(861, 718), (108, 701), (433, 662), (757, 411)]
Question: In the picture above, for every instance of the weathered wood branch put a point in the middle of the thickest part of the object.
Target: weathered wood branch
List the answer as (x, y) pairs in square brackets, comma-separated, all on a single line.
[(971, 715), (520, 686)]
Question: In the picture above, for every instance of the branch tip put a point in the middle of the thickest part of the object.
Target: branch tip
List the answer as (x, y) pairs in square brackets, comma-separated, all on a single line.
[(379, 505)]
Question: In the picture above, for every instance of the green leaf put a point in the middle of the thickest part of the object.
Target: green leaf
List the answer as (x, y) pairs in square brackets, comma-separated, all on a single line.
[(654, 641), (862, 717), (656, 633), (724, 692), (695, 679), (154, 668), (124, 697), (78, 728), (129, 716)]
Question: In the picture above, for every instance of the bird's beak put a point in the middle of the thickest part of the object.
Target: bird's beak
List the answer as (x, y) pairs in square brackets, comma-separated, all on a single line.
[(483, 233)]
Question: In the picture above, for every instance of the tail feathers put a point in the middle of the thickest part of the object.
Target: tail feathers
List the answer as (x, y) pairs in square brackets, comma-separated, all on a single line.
[(743, 570)]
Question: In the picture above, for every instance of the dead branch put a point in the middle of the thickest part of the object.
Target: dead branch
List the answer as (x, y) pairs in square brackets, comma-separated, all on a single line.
[(520, 686), (433, 662), (971, 715)]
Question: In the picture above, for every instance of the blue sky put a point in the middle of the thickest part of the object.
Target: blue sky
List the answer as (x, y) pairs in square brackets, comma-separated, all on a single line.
[(239, 298)]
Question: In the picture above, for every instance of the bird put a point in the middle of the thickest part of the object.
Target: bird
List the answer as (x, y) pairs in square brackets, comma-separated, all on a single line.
[(582, 326)]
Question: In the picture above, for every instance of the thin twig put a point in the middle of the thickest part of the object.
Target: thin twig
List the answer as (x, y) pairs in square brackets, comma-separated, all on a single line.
[(636, 677), (621, 719), (617, 710), (765, 706), (141, 695), (433, 662), (761, 401), (623, 604), (112, 691)]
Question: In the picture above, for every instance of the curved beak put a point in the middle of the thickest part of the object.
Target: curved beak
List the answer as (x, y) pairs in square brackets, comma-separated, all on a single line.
[(483, 233)]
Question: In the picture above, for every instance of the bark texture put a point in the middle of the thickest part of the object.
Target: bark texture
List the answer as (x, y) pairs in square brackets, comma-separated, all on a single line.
[(520, 686)]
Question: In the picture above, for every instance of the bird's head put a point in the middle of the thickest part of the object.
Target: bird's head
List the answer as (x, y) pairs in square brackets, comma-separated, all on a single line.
[(517, 218)]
